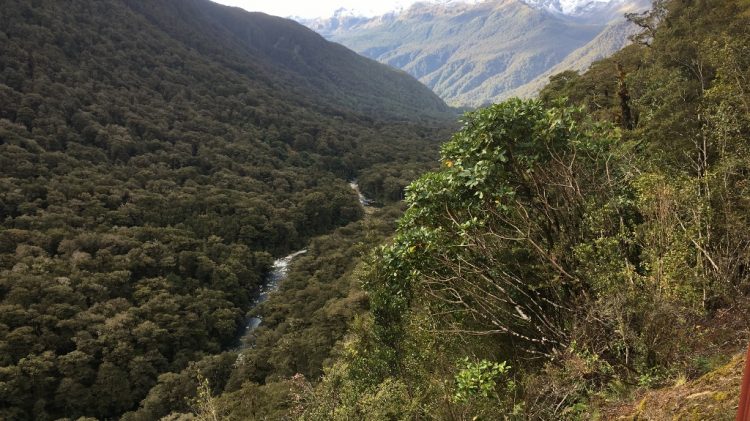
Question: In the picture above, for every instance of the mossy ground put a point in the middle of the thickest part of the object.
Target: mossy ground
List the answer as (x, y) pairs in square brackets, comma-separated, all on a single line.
[(713, 396)]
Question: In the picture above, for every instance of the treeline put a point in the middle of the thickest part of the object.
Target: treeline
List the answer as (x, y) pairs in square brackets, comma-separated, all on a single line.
[(571, 250), (145, 185)]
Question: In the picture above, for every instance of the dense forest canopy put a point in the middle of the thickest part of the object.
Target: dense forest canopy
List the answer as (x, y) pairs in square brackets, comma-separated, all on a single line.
[(154, 157)]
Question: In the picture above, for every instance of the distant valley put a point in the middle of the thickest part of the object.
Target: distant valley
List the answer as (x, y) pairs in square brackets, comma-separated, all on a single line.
[(580, 255), (474, 53), (155, 158)]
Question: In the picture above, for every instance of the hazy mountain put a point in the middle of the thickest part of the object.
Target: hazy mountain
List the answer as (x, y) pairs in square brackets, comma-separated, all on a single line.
[(478, 52), (613, 38)]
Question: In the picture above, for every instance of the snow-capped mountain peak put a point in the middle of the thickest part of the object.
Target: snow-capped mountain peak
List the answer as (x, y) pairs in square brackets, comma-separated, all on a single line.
[(571, 7), (343, 12)]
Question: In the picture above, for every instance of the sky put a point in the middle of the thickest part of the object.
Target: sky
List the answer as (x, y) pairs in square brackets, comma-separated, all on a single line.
[(317, 8)]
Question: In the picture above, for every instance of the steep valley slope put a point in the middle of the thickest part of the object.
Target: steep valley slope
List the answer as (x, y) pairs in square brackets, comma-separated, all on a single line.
[(154, 157)]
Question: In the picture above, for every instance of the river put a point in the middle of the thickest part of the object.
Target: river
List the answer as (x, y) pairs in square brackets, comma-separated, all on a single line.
[(277, 274), (365, 202)]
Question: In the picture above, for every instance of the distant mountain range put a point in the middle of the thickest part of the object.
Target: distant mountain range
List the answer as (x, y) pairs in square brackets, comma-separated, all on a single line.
[(477, 52), (575, 7)]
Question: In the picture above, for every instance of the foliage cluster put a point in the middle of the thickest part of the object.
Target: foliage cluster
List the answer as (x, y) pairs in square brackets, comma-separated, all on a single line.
[(580, 238)]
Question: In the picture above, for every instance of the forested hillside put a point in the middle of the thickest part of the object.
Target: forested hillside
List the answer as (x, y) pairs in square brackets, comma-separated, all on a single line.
[(573, 251), (154, 157)]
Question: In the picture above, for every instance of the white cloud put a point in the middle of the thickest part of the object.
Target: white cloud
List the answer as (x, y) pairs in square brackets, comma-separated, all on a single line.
[(317, 8)]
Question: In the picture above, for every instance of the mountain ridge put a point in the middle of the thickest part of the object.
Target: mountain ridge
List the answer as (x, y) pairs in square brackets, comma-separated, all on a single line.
[(309, 60), (474, 53)]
